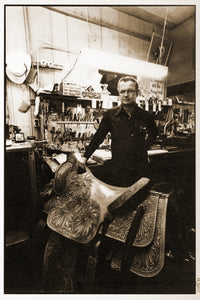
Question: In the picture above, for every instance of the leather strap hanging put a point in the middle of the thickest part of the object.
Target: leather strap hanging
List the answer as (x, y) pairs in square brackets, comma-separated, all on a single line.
[(125, 263)]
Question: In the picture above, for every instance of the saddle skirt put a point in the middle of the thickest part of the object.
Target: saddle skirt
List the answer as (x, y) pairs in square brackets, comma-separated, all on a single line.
[(148, 248)]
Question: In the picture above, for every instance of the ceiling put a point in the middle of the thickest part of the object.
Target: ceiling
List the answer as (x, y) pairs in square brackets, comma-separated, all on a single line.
[(176, 15)]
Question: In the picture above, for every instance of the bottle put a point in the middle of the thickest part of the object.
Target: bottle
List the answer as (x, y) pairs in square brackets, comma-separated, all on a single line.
[(105, 96)]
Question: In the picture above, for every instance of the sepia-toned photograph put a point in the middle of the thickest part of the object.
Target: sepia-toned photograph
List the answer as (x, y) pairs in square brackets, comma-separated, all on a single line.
[(99, 149)]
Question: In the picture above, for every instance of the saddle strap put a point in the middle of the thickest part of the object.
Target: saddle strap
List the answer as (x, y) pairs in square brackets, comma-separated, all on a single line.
[(125, 264), (90, 273)]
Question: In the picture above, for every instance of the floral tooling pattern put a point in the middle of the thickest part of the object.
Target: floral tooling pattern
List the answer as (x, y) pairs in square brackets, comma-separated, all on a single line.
[(74, 214)]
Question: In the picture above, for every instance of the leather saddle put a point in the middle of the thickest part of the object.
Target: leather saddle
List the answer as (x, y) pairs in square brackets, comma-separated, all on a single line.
[(80, 201)]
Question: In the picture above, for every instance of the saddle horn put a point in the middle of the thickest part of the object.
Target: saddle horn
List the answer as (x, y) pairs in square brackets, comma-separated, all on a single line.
[(62, 171)]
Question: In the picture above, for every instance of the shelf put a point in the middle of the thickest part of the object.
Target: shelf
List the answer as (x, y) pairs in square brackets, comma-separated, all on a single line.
[(75, 122), (184, 105), (71, 98), (89, 99), (64, 97), (96, 99), (19, 147), (57, 96)]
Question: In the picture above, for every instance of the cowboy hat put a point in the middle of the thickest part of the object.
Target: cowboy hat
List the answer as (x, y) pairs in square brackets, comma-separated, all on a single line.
[(18, 65)]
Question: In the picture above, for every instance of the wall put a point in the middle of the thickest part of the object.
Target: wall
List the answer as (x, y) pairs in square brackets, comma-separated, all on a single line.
[(15, 94), (181, 63), (67, 32)]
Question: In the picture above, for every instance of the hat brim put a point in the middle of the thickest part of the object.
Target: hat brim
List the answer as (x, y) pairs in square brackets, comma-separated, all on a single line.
[(16, 79), (11, 75)]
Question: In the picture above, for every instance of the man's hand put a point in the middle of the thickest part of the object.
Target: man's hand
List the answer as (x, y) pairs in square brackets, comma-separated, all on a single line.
[(80, 158)]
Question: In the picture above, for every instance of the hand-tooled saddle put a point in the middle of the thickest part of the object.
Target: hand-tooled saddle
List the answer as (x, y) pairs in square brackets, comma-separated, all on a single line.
[(76, 210), (147, 251), (81, 201)]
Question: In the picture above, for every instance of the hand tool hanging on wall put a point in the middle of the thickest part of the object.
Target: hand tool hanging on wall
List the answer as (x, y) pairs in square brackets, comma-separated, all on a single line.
[(37, 105)]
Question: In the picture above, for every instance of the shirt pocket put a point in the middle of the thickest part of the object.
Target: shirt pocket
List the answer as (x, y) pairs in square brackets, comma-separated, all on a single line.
[(143, 129), (136, 130)]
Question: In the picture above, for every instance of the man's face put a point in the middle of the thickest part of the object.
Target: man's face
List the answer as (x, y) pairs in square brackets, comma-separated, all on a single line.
[(127, 92)]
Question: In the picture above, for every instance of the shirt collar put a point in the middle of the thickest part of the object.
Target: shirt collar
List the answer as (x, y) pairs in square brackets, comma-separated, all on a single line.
[(121, 109)]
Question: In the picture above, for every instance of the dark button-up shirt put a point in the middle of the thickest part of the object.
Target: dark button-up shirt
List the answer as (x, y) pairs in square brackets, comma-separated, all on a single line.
[(130, 136)]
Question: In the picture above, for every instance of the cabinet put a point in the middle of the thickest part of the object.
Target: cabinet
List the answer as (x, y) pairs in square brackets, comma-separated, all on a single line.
[(20, 193)]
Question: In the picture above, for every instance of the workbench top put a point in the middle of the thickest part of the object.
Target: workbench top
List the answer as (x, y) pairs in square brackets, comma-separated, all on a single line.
[(19, 147), (101, 155)]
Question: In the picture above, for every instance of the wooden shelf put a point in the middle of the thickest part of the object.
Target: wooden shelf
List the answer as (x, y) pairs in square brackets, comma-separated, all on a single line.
[(75, 122), (71, 100), (64, 97), (19, 147), (50, 96)]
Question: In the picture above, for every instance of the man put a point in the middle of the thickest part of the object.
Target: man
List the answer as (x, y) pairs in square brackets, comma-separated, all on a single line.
[(132, 131)]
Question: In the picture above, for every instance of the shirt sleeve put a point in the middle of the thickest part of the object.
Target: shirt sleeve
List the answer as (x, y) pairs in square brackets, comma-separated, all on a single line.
[(99, 136)]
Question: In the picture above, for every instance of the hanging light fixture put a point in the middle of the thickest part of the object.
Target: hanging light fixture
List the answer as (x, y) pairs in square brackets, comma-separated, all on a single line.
[(90, 61)]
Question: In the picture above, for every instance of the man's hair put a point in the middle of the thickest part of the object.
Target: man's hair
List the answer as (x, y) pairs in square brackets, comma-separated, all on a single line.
[(128, 78)]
